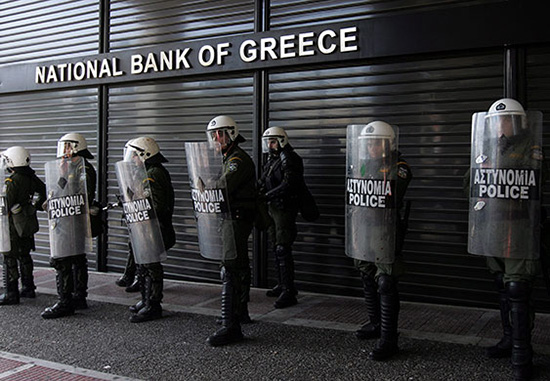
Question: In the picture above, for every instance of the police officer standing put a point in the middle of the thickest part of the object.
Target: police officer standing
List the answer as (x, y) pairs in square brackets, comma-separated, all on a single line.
[(239, 177), (504, 183), (377, 179), (281, 184), (20, 189), (150, 272), (72, 270)]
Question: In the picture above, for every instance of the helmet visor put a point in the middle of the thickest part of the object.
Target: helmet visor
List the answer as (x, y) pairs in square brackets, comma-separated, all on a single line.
[(505, 125), (374, 149), (132, 153), (65, 148), (270, 144)]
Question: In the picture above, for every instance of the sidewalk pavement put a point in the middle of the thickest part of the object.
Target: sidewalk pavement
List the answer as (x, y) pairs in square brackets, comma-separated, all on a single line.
[(437, 323)]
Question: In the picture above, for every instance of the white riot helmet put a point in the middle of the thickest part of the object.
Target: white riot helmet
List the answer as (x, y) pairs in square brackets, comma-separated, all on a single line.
[(144, 148), (274, 133), (222, 123), (73, 144), (378, 133), (506, 117), (16, 156)]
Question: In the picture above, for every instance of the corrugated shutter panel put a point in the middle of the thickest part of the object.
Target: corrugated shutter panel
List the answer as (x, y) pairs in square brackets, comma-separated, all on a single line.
[(142, 23), (36, 121), (432, 101), (290, 13), (173, 113), (39, 30), (538, 98)]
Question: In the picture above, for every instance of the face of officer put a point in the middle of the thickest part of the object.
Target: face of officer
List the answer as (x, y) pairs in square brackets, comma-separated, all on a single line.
[(376, 148), (505, 127), (273, 145), (222, 137)]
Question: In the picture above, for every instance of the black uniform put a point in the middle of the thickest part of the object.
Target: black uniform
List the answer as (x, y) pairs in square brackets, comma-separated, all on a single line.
[(380, 280), (151, 275), (282, 183), (72, 271), (240, 178), (21, 187)]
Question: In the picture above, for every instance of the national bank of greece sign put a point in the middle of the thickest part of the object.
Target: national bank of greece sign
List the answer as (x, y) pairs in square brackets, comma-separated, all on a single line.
[(237, 53), (221, 54)]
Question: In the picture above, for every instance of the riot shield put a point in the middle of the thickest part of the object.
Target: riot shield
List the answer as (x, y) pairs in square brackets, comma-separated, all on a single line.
[(5, 244), (210, 201), (505, 185), (371, 214), (68, 214), (139, 213)]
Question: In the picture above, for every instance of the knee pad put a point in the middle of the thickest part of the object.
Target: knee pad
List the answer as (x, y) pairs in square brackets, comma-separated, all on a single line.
[(386, 284), (519, 291)]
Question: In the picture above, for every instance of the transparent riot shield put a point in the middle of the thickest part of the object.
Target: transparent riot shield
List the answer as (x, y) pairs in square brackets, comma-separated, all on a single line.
[(505, 185), (210, 201), (68, 215), (5, 244), (139, 213), (371, 214)]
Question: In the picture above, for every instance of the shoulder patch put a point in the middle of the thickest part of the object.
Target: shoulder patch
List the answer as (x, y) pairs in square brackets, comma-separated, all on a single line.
[(233, 166), (537, 153), (403, 172)]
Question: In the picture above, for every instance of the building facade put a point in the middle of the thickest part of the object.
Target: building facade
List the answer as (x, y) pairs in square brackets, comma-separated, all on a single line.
[(114, 70)]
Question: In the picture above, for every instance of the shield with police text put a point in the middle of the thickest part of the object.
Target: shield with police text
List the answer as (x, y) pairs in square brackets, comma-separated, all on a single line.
[(505, 185), (139, 213), (5, 244), (371, 214), (68, 214), (210, 202)]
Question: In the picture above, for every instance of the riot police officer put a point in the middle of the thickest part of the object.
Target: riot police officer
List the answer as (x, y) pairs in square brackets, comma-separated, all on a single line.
[(281, 184), (239, 176), (377, 179), (72, 269), (150, 272), (20, 189), (504, 183)]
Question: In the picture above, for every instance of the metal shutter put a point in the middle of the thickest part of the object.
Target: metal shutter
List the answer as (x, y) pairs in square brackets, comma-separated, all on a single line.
[(538, 98), (431, 100), (36, 121), (50, 29), (145, 23), (290, 13), (173, 113)]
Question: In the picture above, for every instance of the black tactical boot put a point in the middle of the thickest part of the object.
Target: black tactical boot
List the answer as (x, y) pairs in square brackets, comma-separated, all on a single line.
[(11, 293), (134, 287), (386, 347), (10, 279), (141, 283), (286, 269), (522, 352), (151, 309), (278, 289), (64, 307), (125, 280), (503, 348), (275, 291), (231, 328), (128, 277), (371, 330), (65, 285), (27, 278), (80, 276)]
